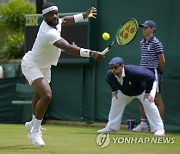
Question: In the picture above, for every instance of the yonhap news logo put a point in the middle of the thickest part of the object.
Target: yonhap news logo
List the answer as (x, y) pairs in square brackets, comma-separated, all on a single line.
[(103, 140), (143, 140)]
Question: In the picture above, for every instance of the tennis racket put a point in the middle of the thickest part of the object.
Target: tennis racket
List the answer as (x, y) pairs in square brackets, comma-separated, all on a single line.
[(124, 35)]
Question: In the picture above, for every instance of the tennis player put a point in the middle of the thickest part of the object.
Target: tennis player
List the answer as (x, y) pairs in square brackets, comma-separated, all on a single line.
[(127, 83), (152, 58), (36, 64)]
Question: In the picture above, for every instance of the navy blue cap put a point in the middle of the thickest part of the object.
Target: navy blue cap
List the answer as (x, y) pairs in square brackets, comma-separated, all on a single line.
[(148, 23), (116, 61)]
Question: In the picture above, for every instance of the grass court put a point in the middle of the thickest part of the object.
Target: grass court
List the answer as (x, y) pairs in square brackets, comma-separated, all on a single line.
[(67, 139)]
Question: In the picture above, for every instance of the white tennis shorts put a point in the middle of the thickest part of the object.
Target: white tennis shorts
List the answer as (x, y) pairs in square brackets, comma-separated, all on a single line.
[(32, 73)]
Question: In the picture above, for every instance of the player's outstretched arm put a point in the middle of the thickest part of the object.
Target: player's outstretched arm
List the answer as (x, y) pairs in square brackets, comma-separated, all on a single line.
[(77, 51), (90, 13)]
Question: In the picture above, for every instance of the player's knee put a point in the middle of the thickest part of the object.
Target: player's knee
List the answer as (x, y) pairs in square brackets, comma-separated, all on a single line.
[(48, 97)]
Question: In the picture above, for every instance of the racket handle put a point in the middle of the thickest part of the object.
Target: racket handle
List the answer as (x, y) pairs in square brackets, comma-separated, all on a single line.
[(105, 51)]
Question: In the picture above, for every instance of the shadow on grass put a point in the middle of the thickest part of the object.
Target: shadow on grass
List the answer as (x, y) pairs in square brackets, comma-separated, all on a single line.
[(17, 147), (118, 133)]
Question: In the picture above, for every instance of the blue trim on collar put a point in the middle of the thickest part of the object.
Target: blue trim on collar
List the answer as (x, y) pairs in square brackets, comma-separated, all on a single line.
[(149, 40)]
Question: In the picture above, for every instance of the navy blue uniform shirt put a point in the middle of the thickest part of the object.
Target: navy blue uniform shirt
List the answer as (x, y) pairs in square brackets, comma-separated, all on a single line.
[(137, 79)]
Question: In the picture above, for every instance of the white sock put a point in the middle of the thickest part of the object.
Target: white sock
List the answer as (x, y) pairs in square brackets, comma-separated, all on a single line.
[(36, 124), (144, 122), (33, 117)]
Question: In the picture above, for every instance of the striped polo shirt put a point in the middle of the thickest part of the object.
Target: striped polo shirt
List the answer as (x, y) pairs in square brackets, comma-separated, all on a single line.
[(149, 52)]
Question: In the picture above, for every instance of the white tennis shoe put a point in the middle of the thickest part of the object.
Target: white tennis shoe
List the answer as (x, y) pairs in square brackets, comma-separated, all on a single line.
[(159, 133), (140, 128), (106, 130), (35, 136)]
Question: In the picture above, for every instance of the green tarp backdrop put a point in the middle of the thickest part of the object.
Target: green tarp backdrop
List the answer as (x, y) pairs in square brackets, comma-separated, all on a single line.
[(80, 92)]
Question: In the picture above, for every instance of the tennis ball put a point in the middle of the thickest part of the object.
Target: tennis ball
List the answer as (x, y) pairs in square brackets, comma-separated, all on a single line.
[(105, 36)]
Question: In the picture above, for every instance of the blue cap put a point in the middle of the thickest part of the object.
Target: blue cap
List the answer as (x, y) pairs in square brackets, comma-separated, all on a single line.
[(148, 23), (116, 61)]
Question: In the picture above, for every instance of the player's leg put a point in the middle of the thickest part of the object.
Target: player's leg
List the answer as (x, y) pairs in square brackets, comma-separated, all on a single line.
[(116, 113), (39, 78), (42, 87), (35, 100), (31, 74)]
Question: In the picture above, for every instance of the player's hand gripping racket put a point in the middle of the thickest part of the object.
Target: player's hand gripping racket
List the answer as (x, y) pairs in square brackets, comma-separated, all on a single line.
[(124, 35)]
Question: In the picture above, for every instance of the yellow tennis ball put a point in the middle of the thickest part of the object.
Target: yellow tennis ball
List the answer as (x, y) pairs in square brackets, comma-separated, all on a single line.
[(105, 36)]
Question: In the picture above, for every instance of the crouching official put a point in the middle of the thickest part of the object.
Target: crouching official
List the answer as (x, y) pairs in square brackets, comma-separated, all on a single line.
[(127, 83)]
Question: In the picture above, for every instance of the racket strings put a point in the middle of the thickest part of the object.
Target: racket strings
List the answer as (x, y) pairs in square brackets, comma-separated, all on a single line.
[(127, 32)]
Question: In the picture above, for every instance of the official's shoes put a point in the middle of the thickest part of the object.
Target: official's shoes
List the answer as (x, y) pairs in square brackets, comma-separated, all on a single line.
[(140, 128), (35, 136), (159, 133), (106, 130)]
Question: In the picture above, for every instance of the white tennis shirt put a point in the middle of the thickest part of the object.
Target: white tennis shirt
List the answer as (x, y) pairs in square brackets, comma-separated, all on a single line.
[(44, 53)]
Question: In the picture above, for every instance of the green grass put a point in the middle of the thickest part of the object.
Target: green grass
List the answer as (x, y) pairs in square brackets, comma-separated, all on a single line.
[(66, 139)]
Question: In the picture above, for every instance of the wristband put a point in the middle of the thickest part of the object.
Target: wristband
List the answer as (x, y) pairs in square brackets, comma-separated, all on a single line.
[(78, 17), (91, 53), (84, 52)]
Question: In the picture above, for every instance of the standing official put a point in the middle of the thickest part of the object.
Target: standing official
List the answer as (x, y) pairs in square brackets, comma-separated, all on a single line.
[(127, 83), (152, 58)]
